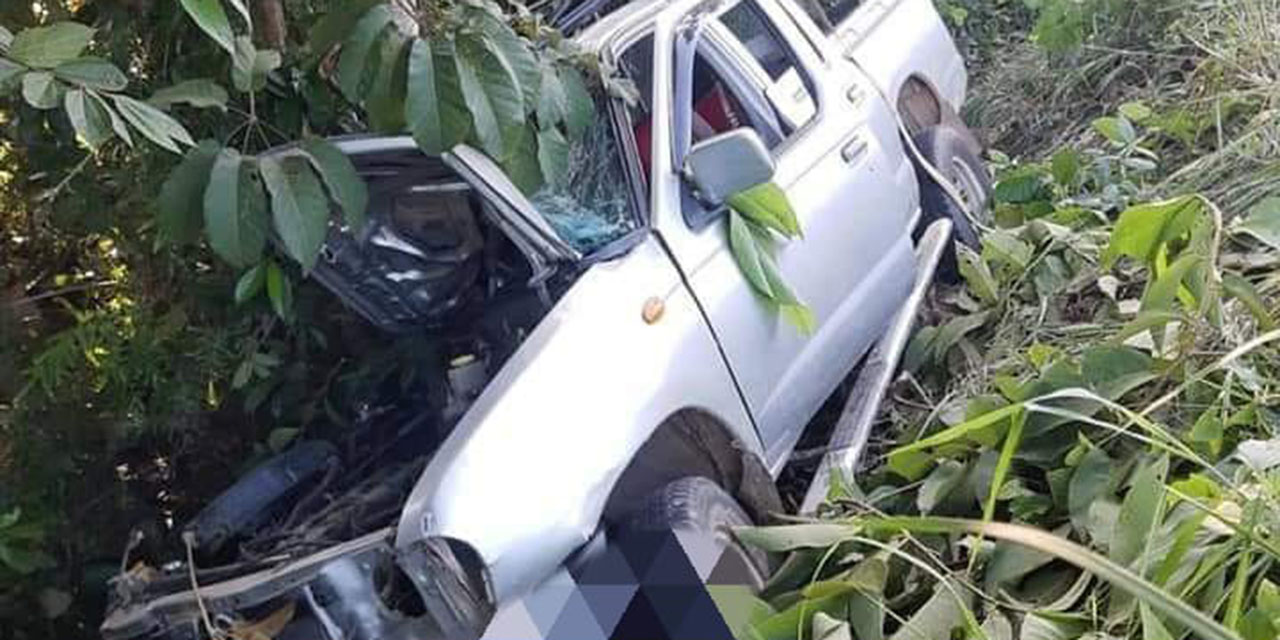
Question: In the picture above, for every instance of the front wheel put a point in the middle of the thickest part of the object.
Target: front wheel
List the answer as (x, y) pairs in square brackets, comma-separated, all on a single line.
[(947, 151), (702, 514)]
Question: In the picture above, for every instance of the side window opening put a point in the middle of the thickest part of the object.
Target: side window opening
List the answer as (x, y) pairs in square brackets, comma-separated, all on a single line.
[(788, 89)]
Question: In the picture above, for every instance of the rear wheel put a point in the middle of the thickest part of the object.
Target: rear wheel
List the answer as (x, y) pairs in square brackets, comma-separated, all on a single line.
[(696, 507), (950, 153)]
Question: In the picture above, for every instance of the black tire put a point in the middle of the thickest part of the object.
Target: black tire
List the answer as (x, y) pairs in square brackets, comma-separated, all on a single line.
[(697, 505), (949, 151)]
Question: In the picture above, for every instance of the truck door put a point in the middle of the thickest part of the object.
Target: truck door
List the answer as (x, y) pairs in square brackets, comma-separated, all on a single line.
[(751, 66)]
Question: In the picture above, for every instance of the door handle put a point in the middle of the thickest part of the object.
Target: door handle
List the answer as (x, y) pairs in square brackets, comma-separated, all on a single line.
[(853, 150)]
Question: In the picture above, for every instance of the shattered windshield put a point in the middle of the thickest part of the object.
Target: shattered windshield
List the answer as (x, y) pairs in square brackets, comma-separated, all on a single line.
[(593, 205)]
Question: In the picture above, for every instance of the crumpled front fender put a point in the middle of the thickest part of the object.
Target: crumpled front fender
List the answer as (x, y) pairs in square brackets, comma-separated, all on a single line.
[(525, 476)]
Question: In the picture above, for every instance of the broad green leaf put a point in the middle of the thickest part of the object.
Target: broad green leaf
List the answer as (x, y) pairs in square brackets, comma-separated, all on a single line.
[(251, 283), (1005, 247), (1117, 130), (1065, 167), (155, 124), (24, 561), (336, 24), (1243, 290), (299, 207), (201, 93), (1010, 563), (117, 123), (580, 108), (279, 291), (767, 205), (1113, 371), (553, 156), (386, 101), (48, 47), (513, 48), (739, 607), (345, 185), (1140, 512), (41, 90), (180, 206), (1257, 625), (522, 163), (1136, 112), (553, 104), (1268, 599), (939, 616), (747, 254), (434, 106), (235, 210), (1263, 222), (91, 121), (1090, 482), (251, 65), (1162, 293), (1020, 186), (977, 275), (491, 91), (212, 19), (354, 73), (1143, 230), (944, 479), (94, 73), (1152, 628), (9, 71), (6, 38)]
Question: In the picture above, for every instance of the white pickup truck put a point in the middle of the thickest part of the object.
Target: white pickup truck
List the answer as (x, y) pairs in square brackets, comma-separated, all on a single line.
[(605, 357)]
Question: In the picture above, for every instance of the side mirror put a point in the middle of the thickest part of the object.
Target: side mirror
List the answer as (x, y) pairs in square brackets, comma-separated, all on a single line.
[(725, 164)]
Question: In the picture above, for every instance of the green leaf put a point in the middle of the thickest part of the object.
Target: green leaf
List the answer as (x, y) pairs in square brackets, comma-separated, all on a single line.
[(235, 210), (1004, 247), (767, 205), (435, 109), (1136, 112), (180, 206), (1139, 513), (904, 463), (1065, 167), (944, 479), (48, 47), (977, 275), (24, 561), (1152, 628), (94, 73), (1257, 625), (1244, 291), (41, 90), (337, 23), (201, 93), (345, 185), (299, 207), (1144, 230), (386, 103), (251, 283), (1020, 186), (155, 124), (354, 72), (747, 254), (523, 62), (279, 291), (251, 65), (1162, 293), (580, 109), (827, 628), (87, 115), (553, 104), (212, 19), (938, 617), (522, 162), (553, 156), (117, 123), (1090, 482), (491, 91), (9, 71), (1112, 371), (1263, 222), (6, 39), (1117, 130)]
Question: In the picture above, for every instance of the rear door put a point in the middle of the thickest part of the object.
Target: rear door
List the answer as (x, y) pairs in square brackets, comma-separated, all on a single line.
[(754, 68)]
